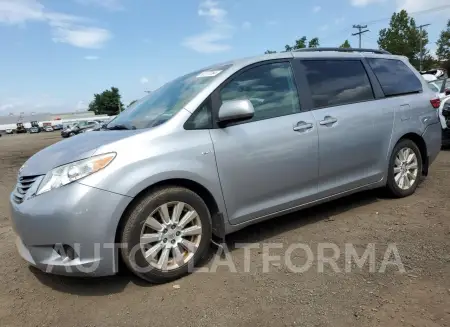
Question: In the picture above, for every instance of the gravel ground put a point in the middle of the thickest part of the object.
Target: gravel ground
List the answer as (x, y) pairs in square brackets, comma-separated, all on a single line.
[(419, 226)]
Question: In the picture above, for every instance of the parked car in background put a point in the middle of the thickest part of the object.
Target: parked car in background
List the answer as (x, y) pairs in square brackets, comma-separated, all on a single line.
[(444, 116), (9, 131), (441, 87), (78, 128), (222, 148), (94, 127), (48, 128), (57, 127), (437, 73), (20, 128), (35, 127)]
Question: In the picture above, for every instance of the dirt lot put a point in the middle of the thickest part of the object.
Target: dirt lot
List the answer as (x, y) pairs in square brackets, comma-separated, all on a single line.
[(418, 225)]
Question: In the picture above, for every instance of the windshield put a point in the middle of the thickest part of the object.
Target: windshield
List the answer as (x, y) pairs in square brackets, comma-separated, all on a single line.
[(162, 104), (436, 86)]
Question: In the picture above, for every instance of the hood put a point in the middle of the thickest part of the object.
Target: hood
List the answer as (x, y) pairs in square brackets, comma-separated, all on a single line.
[(78, 147)]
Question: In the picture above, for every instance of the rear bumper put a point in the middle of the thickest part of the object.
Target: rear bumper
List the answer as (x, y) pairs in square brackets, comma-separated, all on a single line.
[(433, 140)]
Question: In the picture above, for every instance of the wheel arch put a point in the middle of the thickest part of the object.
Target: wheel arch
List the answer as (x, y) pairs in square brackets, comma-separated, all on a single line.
[(420, 142), (217, 219)]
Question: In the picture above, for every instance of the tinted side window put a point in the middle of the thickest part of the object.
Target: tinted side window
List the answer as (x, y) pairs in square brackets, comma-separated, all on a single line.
[(395, 77), (337, 82), (270, 88)]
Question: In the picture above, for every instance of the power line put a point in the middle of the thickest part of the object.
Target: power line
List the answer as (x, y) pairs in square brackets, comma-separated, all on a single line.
[(410, 13), (361, 32)]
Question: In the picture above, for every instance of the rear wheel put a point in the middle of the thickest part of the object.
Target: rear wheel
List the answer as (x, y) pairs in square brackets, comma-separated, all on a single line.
[(166, 234), (71, 134), (405, 169)]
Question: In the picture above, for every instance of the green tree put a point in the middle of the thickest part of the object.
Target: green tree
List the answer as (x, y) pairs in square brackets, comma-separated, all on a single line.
[(300, 43), (443, 44), (428, 62), (106, 103), (402, 37), (314, 43), (345, 45), (269, 52)]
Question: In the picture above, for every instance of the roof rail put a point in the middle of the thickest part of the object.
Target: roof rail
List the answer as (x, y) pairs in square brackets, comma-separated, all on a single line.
[(378, 51)]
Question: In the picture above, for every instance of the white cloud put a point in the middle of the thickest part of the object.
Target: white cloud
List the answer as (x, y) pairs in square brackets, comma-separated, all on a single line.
[(212, 10), (339, 20), (6, 106), (323, 27), (418, 5), (71, 29), (92, 57), (28, 104), (363, 3), (83, 37), (108, 4), (207, 42), (81, 105), (246, 25), (212, 40), (316, 9), (144, 80)]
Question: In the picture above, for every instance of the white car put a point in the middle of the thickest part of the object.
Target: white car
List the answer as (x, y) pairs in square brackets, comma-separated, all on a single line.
[(48, 129), (444, 117), (9, 131), (441, 87)]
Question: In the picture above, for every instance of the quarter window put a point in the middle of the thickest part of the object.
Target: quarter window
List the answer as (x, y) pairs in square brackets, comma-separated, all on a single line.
[(200, 119), (270, 88), (337, 82), (395, 77)]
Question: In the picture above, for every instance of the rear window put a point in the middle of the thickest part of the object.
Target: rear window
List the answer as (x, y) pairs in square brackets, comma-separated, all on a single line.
[(337, 82), (395, 77)]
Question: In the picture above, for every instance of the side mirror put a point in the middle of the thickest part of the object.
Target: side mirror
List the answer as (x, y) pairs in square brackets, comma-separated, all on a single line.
[(236, 110)]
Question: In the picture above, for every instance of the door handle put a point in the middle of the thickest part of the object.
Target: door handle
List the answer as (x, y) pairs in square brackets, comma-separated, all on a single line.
[(302, 126), (328, 120)]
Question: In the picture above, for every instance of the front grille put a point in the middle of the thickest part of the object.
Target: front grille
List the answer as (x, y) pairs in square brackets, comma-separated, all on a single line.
[(23, 185)]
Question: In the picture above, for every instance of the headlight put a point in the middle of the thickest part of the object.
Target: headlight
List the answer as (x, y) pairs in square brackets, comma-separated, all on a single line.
[(74, 171)]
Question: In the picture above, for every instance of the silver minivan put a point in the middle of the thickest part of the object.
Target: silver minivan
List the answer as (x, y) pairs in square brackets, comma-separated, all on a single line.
[(219, 149)]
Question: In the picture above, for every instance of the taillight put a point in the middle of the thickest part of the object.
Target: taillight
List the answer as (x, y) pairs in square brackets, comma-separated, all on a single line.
[(435, 103)]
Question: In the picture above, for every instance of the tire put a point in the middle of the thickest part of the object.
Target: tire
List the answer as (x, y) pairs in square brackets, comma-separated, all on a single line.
[(393, 186), (71, 134), (137, 223)]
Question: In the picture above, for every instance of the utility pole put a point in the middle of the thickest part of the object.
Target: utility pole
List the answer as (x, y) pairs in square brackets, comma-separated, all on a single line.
[(421, 49), (360, 27)]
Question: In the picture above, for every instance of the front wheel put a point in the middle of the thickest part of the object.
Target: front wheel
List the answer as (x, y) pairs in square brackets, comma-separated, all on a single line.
[(166, 234), (405, 169)]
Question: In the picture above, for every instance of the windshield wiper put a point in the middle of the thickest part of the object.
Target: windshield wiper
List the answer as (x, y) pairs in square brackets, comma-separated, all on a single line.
[(119, 127)]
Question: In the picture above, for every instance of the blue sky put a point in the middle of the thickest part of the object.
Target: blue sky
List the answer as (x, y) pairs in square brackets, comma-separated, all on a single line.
[(56, 54)]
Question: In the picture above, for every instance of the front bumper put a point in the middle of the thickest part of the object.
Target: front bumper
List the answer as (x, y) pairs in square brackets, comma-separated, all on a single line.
[(75, 215)]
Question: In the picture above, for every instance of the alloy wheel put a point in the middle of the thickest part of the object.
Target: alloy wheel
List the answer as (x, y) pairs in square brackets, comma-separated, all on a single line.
[(405, 168), (171, 235)]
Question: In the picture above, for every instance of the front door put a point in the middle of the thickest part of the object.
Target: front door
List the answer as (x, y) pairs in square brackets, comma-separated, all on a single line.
[(268, 163)]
